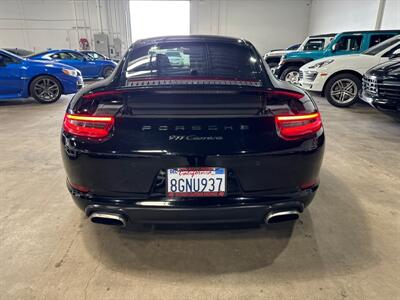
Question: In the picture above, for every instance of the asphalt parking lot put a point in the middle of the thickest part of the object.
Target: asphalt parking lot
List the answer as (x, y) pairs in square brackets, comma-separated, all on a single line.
[(345, 246)]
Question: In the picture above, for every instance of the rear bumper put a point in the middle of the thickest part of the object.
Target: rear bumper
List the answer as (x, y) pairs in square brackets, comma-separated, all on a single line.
[(194, 210), (256, 184)]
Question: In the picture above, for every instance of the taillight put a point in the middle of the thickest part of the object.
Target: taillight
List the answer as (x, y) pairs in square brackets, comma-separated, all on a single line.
[(294, 127), (88, 126)]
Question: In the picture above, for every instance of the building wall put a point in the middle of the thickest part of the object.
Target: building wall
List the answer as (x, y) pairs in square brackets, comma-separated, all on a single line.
[(42, 24), (346, 15), (391, 15), (266, 23)]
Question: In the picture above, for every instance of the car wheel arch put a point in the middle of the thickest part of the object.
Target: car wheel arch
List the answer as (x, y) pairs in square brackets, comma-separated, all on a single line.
[(49, 75), (355, 73)]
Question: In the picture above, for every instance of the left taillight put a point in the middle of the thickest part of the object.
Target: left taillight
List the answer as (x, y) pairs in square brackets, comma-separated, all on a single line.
[(293, 127), (88, 126)]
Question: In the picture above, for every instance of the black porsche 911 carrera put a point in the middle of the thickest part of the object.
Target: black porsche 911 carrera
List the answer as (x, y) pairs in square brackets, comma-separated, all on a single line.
[(192, 129)]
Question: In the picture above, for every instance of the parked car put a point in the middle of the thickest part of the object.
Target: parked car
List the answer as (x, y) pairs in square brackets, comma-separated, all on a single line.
[(89, 68), (44, 81), (158, 144), (381, 87), (97, 56), (351, 42), (273, 57), (339, 77), (311, 43), (19, 51)]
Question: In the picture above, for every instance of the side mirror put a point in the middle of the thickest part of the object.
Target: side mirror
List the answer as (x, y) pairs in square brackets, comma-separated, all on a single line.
[(395, 54), (2, 62), (334, 47)]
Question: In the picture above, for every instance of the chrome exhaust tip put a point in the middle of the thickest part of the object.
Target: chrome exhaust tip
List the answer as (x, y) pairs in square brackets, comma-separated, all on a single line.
[(108, 219), (282, 216)]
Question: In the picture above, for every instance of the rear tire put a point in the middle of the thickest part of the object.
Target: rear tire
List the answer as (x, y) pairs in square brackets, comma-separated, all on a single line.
[(45, 89), (291, 75), (107, 71), (342, 90)]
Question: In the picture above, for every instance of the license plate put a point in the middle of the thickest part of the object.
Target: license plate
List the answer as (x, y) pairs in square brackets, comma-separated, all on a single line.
[(196, 182)]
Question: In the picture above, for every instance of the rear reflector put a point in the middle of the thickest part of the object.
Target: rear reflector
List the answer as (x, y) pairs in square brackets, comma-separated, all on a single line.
[(298, 126), (79, 188), (88, 126)]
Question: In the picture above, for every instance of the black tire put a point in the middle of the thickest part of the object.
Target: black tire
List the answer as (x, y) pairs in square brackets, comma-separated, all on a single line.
[(287, 71), (107, 71), (45, 89), (336, 89)]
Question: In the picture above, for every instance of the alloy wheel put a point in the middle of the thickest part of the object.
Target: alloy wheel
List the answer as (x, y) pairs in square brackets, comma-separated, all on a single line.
[(47, 89), (292, 77), (344, 91)]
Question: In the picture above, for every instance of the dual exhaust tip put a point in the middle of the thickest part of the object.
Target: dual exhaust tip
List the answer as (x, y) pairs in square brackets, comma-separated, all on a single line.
[(106, 218)]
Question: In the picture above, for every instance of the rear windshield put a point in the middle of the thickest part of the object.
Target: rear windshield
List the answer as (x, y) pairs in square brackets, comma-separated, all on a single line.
[(194, 63)]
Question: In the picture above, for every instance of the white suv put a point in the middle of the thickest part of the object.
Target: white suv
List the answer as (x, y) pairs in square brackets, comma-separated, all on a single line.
[(339, 77)]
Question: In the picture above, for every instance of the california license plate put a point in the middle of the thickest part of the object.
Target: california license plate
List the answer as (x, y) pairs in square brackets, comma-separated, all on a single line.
[(196, 182)]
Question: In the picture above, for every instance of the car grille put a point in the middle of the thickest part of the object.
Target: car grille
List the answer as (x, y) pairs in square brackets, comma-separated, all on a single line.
[(370, 85), (389, 90)]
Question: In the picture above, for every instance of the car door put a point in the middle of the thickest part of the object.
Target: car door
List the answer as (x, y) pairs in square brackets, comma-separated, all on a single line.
[(11, 73), (87, 65)]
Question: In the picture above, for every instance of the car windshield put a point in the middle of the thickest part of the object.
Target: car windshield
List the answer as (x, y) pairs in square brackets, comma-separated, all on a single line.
[(19, 52), (195, 60), (382, 46), (314, 45), (88, 56), (37, 54), (12, 54)]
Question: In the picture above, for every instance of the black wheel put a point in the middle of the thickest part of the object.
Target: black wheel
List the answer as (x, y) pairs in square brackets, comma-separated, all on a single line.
[(107, 71), (45, 89), (342, 90), (291, 75)]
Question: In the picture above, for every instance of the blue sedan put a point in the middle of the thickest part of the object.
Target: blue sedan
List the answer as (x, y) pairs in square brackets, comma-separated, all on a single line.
[(90, 68), (45, 81)]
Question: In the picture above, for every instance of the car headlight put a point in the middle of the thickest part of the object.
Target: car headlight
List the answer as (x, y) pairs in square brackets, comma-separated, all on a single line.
[(322, 64), (70, 72)]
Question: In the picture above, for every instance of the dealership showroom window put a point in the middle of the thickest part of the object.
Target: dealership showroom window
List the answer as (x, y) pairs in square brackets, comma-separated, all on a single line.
[(200, 149)]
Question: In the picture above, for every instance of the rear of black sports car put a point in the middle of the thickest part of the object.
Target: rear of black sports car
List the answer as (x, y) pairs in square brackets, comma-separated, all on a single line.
[(192, 130)]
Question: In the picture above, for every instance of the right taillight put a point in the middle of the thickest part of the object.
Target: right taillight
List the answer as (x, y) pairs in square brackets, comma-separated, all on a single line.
[(293, 127), (88, 126)]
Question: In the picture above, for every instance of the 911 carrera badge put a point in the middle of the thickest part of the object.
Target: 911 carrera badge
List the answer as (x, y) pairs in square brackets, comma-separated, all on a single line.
[(194, 138), (241, 127)]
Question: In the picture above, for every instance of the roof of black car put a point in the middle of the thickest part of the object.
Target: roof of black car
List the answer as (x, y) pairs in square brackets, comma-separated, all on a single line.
[(189, 38)]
